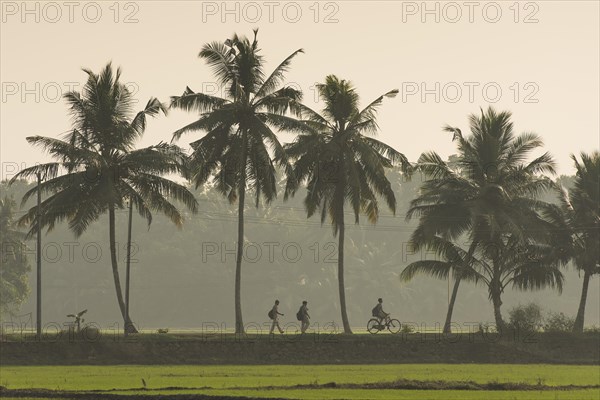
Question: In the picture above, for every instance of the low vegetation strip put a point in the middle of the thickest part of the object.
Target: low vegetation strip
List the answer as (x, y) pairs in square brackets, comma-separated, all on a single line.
[(401, 384), (407, 384), (55, 394), (123, 378), (332, 349)]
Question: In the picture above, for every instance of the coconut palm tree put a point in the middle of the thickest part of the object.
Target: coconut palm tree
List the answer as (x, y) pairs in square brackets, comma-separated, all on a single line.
[(342, 163), (97, 167), (507, 262), (575, 225), (488, 195), (240, 150)]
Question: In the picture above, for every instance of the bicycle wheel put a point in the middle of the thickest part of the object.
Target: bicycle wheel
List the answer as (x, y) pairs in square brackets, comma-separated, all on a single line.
[(373, 326), (394, 326)]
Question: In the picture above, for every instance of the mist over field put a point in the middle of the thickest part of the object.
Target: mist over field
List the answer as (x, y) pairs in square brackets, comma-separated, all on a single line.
[(184, 278)]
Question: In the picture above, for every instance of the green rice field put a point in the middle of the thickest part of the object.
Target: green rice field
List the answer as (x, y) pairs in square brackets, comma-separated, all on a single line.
[(312, 382)]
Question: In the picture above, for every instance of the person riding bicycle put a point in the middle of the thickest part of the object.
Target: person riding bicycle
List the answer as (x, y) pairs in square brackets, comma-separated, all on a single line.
[(379, 313)]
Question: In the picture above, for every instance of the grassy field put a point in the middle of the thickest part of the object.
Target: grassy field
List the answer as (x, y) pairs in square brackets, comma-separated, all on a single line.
[(337, 394), (280, 381)]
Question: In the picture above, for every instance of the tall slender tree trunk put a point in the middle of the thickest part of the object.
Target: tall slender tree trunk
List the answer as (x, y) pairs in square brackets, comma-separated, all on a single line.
[(239, 321), (38, 258), (496, 294), (497, 302), (341, 285), (578, 325), (128, 325), (128, 264), (448, 323)]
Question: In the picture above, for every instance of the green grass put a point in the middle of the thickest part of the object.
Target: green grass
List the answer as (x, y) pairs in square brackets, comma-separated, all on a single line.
[(362, 394), (128, 377), (324, 394), (251, 380)]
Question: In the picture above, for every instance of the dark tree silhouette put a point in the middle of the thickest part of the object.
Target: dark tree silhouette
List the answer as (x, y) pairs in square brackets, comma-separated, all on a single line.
[(101, 169), (488, 197), (240, 150)]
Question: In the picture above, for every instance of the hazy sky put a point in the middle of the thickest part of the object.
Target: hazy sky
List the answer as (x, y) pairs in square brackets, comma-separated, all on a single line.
[(543, 56)]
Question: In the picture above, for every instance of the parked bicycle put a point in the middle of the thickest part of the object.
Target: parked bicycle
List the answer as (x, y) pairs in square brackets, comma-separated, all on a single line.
[(391, 324)]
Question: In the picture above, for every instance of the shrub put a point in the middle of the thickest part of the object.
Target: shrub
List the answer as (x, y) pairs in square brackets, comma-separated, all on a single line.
[(558, 322), (407, 328), (525, 318), (90, 333), (87, 333), (485, 328), (592, 329)]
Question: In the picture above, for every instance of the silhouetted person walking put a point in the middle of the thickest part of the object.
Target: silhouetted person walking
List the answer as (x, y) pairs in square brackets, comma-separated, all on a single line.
[(274, 315), (304, 317)]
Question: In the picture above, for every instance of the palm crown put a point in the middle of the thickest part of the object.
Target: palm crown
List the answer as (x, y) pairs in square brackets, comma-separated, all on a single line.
[(101, 167), (491, 190), (240, 146), (338, 160)]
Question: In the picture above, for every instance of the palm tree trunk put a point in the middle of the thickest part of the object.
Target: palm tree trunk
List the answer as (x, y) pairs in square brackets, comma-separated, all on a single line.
[(128, 266), (128, 325), (447, 324), (497, 303), (578, 325), (496, 294), (239, 321), (341, 285), (38, 258)]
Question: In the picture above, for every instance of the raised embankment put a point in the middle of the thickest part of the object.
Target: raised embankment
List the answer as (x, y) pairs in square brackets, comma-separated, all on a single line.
[(309, 349)]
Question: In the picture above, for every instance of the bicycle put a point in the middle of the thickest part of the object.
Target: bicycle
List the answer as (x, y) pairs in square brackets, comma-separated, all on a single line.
[(391, 324)]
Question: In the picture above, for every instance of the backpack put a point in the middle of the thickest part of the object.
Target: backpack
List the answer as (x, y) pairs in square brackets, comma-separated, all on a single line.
[(374, 312), (299, 314), (270, 314)]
